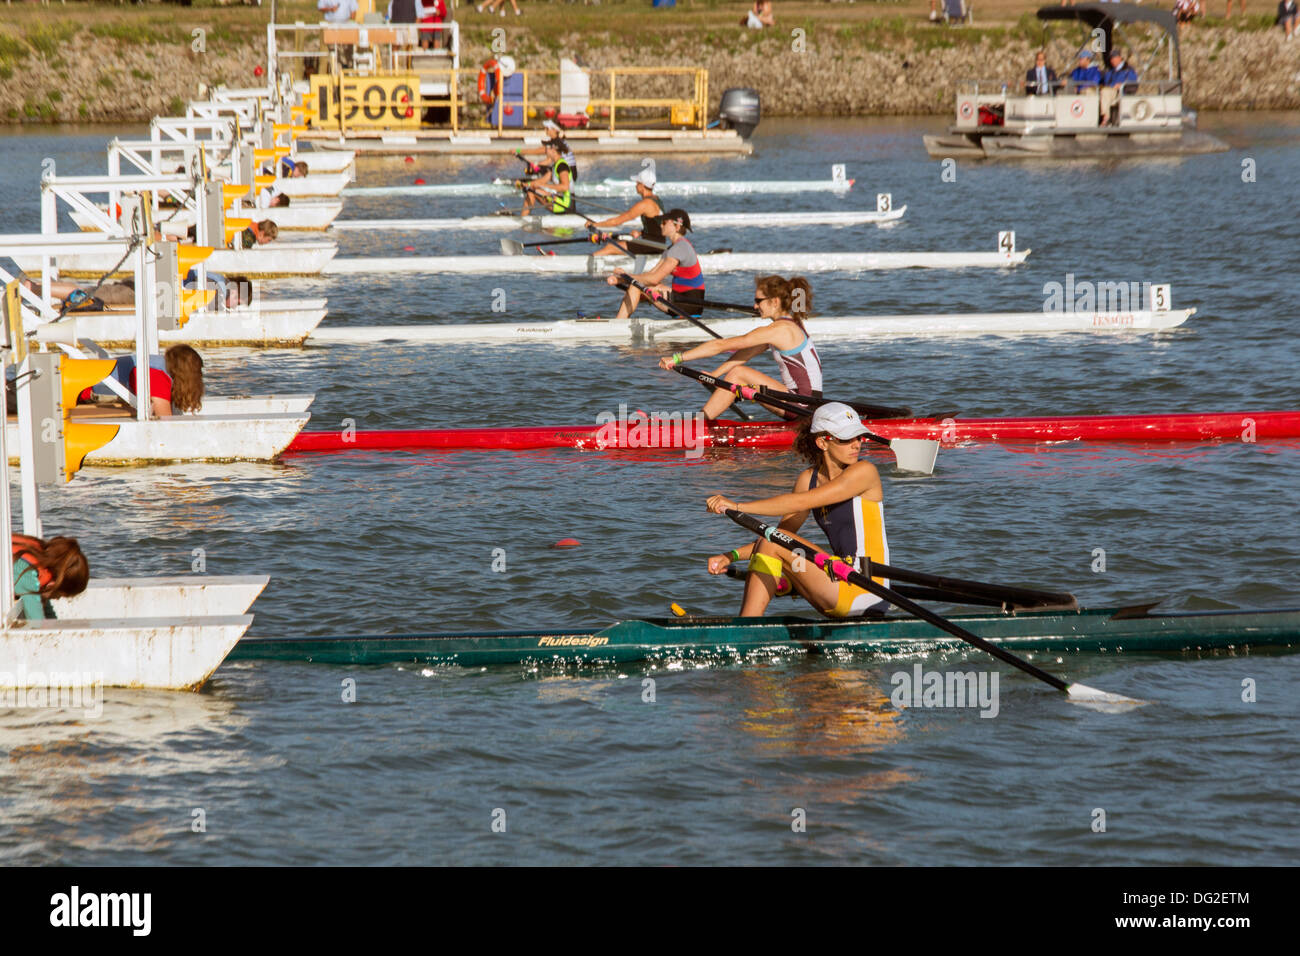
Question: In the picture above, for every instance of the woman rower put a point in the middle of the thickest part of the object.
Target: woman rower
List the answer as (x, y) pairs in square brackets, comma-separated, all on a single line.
[(785, 302), (556, 183), (679, 261), (651, 211), (844, 495), (175, 381)]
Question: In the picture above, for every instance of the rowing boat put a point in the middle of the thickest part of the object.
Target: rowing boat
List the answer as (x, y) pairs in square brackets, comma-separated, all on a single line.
[(678, 431), (700, 220), (710, 262), (840, 326), (1128, 631), (616, 187)]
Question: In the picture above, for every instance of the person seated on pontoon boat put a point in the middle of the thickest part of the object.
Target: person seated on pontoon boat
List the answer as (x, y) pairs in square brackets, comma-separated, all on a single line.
[(649, 209), (785, 304), (1041, 80), (175, 382), (258, 233), (556, 185), (271, 198), (846, 499), (289, 169), (44, 570), (1120, 77), (1085, 76), (1286, 17), (80, 298), (232, 291), (678, 261)]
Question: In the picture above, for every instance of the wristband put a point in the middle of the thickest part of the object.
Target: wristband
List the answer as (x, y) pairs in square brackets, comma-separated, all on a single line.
[(677, 358), (733, 554)]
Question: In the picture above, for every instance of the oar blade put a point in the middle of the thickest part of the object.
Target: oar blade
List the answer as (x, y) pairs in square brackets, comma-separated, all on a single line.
[(915, 454), (1101, 700), (512, 247)]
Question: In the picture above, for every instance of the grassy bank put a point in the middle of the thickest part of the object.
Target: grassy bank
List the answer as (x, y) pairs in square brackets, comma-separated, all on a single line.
[(109, 62)]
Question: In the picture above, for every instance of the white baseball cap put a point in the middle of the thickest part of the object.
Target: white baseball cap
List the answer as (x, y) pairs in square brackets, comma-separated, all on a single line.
[(551, 124), (838, 419), (646, 178)]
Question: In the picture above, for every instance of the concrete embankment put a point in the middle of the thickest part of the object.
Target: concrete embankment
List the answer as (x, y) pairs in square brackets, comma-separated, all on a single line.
[(69, 74)]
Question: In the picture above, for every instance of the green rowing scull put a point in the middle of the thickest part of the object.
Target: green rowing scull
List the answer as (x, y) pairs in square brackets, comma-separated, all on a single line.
[(1127, 630)]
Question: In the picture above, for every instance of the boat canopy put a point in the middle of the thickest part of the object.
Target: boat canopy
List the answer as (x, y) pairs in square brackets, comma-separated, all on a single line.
[(1105, 16)]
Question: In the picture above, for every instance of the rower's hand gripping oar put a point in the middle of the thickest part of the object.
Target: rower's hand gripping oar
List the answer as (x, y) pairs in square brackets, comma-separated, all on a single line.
[(845, 572), (912, 454)]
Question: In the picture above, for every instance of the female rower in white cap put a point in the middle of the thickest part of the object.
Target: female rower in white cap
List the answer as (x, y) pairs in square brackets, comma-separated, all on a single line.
[(650, 209), (845, 497)]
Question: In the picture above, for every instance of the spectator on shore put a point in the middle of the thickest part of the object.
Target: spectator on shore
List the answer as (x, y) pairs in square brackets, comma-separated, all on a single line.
[(1241, 3), (1286, 16), (1119, 77), (1085, 76), (759, 16), (490, 7), (1041, 78), (1186, 11), (337, 11)]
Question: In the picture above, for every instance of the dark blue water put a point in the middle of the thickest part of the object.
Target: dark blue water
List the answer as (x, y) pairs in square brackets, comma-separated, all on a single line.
[(713, 769)]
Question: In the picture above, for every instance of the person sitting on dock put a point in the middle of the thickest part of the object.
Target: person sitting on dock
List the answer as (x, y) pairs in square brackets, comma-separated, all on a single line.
[(649, 208), (271, 198), (1120, 77), (289, 169), (1040, 80), (785, 304), (556, 183), (1085, 76), (175, 382), (846, 498), (678, 261), (44, 570)]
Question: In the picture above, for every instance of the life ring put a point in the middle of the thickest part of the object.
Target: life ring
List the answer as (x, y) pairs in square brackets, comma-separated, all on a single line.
[(1076, 109), (486, 96), (1142, 110), (966, 110)]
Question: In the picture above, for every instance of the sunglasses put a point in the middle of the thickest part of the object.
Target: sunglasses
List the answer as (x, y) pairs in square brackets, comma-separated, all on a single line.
[(845, 441)]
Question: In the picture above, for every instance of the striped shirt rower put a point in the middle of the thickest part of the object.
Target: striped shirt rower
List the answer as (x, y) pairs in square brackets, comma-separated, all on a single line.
[(845, 498), (785, 303), (679, 261)]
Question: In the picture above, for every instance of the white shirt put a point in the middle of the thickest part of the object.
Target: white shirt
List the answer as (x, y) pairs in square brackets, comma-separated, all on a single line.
[(753, 22), (345, 12)]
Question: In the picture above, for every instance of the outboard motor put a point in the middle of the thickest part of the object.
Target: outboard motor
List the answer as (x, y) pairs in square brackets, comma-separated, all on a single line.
[(739, 110)]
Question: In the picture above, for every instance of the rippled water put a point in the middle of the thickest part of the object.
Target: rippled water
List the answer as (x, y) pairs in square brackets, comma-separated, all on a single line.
[(584, 770)]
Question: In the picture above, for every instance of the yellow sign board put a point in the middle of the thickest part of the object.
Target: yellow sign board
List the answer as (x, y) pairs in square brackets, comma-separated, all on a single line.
[(384, 102)]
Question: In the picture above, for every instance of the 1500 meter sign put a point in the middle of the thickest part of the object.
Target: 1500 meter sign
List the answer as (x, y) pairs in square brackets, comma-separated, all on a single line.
[(386, 101)]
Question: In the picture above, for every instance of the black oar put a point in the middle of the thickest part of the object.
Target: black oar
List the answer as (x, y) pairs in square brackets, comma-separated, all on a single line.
[(845, 572), (625, 281), (978, 594), (513, 247), (730, 307), (912, 454)]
